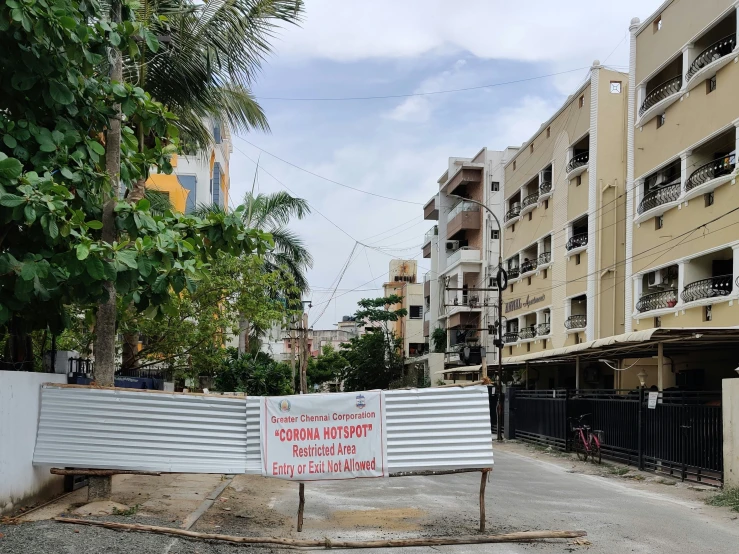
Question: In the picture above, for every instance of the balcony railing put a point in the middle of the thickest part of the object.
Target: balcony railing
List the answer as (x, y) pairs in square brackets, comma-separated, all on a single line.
[(530, 200), (514, 273), (543, 329), (714, 52), (515, 211), (577, 241), (660, 92), (707, 288), (657, 301), (659, 196), (545, 258), (510, 337), (430, 234), (527, 333), (545, 188), (529, 265), (576, 322), (578, 161), (462, 207), (712, 170)]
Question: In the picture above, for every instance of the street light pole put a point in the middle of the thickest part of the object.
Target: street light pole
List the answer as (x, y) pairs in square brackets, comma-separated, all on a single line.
[(499, 380)]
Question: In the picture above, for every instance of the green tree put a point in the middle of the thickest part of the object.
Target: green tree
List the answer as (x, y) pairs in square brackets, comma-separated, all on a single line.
[(255, 374), (439, 337), (375, 358), (327, 367)]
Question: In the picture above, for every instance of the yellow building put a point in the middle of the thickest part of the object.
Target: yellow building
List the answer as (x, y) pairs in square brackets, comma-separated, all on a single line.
[(682, 200), (564, 225)]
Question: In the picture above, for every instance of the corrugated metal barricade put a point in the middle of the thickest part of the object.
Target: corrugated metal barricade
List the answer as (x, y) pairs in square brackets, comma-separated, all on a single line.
[(146, 431), (427, 429)]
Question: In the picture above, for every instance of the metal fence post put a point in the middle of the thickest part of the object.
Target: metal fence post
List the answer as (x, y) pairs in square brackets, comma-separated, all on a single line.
[(567, 420), (493, 417), (641, 422)]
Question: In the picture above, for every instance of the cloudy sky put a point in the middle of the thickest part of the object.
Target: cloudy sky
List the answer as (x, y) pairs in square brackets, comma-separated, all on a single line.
[(396, 146)]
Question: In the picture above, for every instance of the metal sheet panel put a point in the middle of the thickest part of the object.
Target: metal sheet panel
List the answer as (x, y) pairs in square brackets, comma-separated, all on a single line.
[(438, 429), (114, 429), (253, 435)]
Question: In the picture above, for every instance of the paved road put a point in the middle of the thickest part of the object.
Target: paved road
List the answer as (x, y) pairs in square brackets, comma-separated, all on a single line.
[(524, 494)]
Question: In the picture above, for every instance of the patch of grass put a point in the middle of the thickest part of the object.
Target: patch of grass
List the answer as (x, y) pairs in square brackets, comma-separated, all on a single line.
[(620, 471), (131, 511), (635, 477), (727, 498)]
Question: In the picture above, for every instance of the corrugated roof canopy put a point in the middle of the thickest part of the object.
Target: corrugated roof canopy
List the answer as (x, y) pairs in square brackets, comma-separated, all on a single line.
[(636, 344)]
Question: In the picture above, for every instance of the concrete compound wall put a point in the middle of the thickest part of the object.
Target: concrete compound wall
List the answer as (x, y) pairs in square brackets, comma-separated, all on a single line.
[(730, 403), (21, 482)]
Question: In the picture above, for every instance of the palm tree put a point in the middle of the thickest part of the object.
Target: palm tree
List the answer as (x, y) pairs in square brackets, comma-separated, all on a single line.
[(272, 213)]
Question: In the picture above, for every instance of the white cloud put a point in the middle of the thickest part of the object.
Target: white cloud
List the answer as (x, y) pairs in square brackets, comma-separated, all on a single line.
[(536, 30)]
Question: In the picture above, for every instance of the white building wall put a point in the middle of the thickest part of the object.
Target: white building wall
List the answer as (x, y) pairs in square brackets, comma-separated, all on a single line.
[(21, 482)]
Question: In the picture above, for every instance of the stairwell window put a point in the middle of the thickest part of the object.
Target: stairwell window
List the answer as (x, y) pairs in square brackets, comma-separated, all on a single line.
[(661, 119), (416, 312), (577, 259), (708, 199), (657, 25), (495, 234), (578, 180), (495, 186), (710, 85), (659, 222)]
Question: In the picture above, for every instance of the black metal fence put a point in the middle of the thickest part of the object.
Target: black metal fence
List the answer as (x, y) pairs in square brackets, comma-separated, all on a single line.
[(676, 432)]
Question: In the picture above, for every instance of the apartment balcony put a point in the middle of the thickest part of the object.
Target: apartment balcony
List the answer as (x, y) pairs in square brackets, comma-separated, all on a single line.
[(545, 258), (710, 60), (427, 238), (657, 301), (527, 333), (529, 203), (545, 190), (710, 176), (577, 165), (513, 214), (431, 210), (661, 197), (708, 288), (426, 288), (576, 322), (662, 96), (426, 328), (513, 273), (577, 243), (543, 329), (464, 216), (465, 176), (509, 338), (529, 266), (463, 254)]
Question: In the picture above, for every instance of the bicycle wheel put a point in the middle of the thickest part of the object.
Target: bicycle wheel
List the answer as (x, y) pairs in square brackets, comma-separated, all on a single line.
[(579, 446), (595, 455)]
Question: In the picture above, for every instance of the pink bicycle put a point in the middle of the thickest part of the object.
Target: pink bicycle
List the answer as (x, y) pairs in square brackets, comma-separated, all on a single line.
[(585, 441)]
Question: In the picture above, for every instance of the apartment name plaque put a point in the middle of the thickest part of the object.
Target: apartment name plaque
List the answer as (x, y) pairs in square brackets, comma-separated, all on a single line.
[(519, 303)]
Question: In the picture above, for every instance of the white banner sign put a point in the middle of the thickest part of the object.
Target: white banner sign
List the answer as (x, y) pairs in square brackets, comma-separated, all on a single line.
[(324, 436)]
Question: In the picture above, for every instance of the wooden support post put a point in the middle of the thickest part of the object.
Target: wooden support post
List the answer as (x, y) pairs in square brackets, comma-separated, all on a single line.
[(483, 484), (301, 506), (303, 390), (100, 472)]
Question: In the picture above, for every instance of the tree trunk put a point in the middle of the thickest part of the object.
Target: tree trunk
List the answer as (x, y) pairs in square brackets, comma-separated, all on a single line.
[(100, 487), (129, 358)]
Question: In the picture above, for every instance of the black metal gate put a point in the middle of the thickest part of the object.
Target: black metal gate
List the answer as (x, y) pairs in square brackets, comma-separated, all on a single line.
[(678, 433)]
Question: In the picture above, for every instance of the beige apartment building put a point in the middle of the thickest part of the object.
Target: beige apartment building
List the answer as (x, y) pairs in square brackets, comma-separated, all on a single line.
[(683, 203), (564, 228), (403, 281)]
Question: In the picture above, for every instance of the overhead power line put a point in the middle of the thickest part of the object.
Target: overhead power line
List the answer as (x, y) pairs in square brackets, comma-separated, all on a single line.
[(408, 95)]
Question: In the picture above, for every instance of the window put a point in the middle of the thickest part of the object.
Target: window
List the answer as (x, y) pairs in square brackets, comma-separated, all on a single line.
[(544, 274), (495, 186), (661, 120), (510, 351), (544, 344), (511, 288), (495, 234), (528, 347), (549, 131), (581, 101), (658, 322), (659, 222), (531, 148), (416, 312), (493, 283), (708, 198), (710, 85), (707, 314), (529, 280), (578, 180), (514, 165), (577, 259), (657, 25), (615, 87), (546, 204), (513, 228), (530, 216)]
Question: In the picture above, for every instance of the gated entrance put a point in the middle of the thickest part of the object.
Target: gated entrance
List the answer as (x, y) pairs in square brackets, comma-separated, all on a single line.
[(679, 433)]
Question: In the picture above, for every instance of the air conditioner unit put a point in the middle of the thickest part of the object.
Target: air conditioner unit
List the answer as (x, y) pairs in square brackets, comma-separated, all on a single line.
[(654, 278), (452, 244)]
